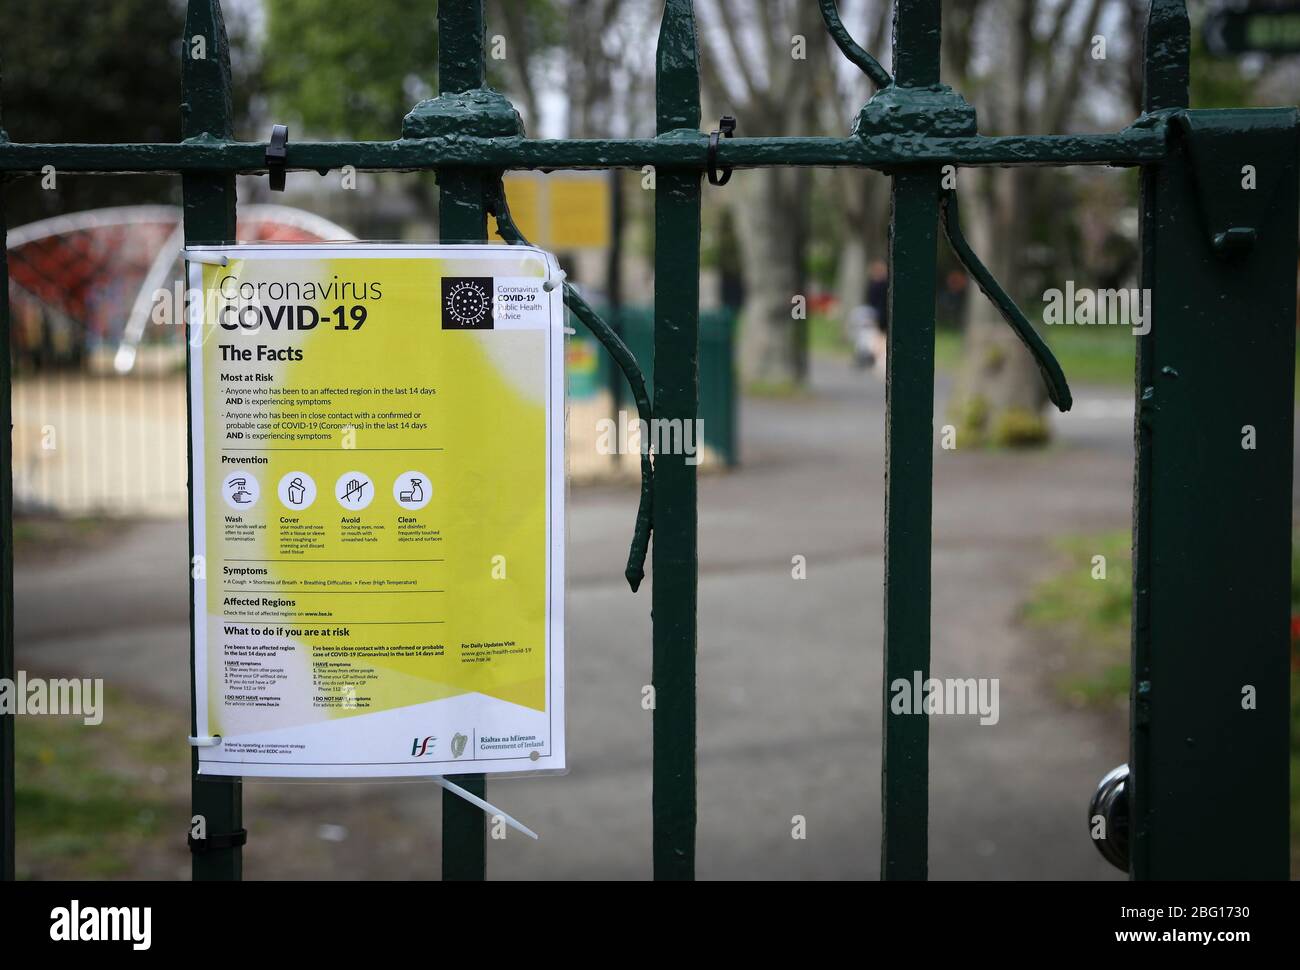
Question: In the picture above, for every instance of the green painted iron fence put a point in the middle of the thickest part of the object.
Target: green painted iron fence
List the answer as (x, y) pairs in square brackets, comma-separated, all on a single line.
[(1212, 518)]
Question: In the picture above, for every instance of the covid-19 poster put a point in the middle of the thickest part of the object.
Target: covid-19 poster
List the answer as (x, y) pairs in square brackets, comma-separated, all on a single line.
[(377, 490)]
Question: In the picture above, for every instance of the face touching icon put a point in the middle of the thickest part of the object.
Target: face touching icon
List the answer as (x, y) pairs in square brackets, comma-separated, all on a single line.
[(354, 490)]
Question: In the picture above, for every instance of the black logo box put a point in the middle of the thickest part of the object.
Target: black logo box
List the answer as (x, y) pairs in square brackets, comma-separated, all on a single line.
[(467, 302)]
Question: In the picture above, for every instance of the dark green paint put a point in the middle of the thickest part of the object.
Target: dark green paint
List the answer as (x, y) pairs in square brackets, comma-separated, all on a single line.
[(676, 396), (1212, 520), (1214, 529), (1166, 49), (7, 671), (209, 216), (849, 48), (909, 444), (462, 218), (1135, 145)]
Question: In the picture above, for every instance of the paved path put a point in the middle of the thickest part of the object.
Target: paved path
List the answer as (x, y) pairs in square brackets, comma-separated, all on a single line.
[(789, 671)]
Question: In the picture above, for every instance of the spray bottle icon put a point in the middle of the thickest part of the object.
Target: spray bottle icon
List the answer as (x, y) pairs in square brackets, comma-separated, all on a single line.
[(416, 493)]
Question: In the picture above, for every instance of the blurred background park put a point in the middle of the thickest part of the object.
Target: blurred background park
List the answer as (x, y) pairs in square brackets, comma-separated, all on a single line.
[(792, 403)]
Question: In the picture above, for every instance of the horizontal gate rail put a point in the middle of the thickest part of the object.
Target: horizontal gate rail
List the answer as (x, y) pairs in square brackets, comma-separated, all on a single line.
[(684, 149)]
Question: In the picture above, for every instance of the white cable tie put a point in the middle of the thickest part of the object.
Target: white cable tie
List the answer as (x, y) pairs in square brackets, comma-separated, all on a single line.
[(211, 259), (211, 742), (487, 807), (551, 284)]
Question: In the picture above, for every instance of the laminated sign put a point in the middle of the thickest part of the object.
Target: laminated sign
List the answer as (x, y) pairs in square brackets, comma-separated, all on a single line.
[(377, 509)]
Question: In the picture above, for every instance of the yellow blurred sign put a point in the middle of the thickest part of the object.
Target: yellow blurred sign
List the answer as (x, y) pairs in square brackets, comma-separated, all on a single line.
[(564, 210)]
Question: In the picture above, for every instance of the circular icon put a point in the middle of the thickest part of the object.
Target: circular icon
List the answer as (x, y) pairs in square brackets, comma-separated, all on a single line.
[(412, 490), (468, 303), (354, 490), (297, 490), (240, 490)]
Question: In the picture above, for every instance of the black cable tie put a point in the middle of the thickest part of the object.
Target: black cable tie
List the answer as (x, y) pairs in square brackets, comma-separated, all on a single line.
[(214, 843), (277, 152), (727, 127)]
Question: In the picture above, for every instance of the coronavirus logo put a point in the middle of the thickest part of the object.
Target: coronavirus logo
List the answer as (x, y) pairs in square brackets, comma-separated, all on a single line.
[(467, 303)]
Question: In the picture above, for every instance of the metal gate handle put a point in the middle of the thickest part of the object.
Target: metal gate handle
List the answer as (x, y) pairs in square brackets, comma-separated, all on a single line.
[(1110, 803)]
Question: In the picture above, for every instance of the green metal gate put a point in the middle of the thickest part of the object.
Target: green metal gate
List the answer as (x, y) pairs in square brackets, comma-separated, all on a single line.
[(1212, 519)]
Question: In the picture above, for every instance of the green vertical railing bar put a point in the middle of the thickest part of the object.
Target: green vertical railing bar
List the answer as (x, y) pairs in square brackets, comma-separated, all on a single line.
[(676, 396), (1213, 519), (909, 445), (209, 215), (7, 671), (462, 218)]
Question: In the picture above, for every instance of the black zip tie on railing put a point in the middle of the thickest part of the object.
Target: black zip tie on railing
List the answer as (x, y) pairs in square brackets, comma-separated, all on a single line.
[(507, 230), (277, 153), (1057, 388), (726, 129), (214, 843)]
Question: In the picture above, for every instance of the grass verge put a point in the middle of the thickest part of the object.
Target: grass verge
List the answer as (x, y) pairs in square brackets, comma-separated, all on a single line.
[(1089, 619), (101, 802)]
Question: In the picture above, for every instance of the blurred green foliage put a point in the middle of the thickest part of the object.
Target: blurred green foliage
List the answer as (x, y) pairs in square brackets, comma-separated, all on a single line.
[(96, 72), (350, 68)]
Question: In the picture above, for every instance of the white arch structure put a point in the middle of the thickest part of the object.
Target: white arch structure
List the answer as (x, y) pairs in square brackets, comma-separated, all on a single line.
[(161, 268)]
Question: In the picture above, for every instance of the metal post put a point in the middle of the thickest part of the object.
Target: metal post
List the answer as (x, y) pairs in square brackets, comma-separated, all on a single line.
[(905, 784), (462, 218), (676, 396), (7, 671), (614, 290), (1212, 516), (209, 215)]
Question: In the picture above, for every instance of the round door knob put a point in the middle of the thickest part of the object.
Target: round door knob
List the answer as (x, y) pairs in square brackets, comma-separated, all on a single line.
[(1108, 817)]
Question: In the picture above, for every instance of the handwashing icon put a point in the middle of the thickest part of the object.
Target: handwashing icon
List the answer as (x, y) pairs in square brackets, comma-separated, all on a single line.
[(240, 495)]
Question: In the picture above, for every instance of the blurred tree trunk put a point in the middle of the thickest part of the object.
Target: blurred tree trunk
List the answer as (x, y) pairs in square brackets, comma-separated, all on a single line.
[(863, 196), (1034, 88), (771, 92), (771, 259), (999, 395)]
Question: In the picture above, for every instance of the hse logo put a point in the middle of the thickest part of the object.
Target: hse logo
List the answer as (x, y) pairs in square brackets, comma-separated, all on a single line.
[(422, 746), (467, 302)]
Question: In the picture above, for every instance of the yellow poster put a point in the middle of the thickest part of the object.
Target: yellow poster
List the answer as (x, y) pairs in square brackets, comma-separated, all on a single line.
[(377, 517)]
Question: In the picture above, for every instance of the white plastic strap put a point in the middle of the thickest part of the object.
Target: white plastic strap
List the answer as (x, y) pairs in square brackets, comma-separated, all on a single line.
[(211, 742), (211, 259), (485, 806), (551, 284)]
